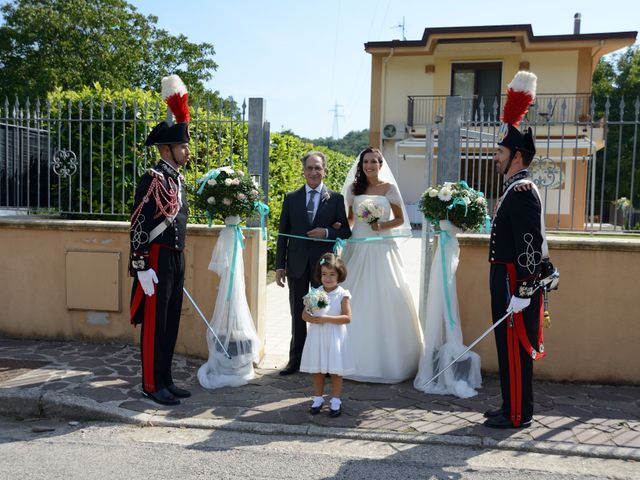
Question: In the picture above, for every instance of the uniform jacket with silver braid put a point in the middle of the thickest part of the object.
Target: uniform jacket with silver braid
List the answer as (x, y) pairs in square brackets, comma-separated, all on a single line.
[(517, 235), (150, 215)]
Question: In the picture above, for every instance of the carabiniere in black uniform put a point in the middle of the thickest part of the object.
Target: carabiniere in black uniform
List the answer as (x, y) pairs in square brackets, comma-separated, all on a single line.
[(158, 228)]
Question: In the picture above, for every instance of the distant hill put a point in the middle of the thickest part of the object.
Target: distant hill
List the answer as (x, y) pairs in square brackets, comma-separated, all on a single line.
[(351, 144)]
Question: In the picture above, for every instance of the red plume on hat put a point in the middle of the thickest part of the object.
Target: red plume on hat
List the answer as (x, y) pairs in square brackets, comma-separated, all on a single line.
[(521, 93), (176, 97)]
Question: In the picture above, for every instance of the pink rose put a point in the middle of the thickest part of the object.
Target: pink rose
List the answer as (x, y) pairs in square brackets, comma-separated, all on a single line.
[(235, 181), (241, 196), (226, 201)]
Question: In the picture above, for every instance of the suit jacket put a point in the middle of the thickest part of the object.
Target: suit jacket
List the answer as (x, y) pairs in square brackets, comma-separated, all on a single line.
[(295, 254), (517, 235)]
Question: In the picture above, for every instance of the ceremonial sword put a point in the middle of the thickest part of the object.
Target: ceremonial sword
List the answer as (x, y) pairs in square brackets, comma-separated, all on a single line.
[(226, 354)]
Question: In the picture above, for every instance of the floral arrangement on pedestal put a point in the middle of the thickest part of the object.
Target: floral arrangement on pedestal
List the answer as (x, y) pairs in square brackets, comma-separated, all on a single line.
[(463, 206), (231, 196), (316, 302), (224, 192)]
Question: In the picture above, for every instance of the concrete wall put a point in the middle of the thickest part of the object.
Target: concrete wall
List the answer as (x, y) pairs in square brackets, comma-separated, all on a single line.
[(69, 279), (594, 334)]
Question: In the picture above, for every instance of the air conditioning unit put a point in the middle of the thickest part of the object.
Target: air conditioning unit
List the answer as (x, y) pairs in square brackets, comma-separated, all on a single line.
[(394, 131)]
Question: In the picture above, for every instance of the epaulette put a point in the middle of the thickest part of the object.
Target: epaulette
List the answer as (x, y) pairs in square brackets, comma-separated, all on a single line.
[(156, 174)]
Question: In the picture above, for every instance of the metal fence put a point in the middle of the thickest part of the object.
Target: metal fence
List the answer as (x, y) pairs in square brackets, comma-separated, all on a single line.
[(84, 160), (585, 165)]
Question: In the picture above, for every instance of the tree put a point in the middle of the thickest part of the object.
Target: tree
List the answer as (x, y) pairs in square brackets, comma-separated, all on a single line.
[(46, 44)]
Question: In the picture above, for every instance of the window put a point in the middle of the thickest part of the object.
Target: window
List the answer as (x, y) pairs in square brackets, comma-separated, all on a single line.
[(475, 82)]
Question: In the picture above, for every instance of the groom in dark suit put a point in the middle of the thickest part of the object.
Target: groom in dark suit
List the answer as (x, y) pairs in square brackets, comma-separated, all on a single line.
[(312, 211)]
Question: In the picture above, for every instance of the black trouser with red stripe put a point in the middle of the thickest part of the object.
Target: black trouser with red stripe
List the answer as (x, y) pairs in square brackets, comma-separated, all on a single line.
[(515, 363), (161, 317)]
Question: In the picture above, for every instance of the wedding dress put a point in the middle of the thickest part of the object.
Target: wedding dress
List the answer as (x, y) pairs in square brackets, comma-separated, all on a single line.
[(384, 333)]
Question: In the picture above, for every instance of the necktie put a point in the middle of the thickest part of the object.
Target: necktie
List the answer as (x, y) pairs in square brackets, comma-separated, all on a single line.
[(310, 205)]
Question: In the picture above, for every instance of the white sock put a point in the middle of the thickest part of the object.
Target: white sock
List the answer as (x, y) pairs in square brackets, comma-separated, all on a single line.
[(317, 401), (335, 403)]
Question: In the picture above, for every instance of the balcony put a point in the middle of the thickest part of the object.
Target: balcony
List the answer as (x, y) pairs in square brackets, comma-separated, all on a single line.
[(552, 109)]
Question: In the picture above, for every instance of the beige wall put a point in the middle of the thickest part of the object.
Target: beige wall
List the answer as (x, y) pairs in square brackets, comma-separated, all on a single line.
[(36, 274), (594, 334)]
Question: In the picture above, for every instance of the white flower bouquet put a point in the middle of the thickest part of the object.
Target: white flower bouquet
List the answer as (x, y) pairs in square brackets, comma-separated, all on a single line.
[(463, 206), (225, 192), (369, 211), (316, 302)]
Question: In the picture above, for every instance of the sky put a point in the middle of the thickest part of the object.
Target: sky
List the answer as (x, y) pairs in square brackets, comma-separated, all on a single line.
[(305, 57)]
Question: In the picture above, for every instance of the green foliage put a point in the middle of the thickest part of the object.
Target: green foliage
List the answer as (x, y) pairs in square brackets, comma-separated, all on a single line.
[(69, 44), (465, 207), (351, 144), (113, 154), (285, 175), (225, 192)]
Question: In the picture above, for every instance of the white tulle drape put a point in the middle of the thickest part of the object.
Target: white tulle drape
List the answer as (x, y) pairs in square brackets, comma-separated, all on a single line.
[(231, 318), (442, 332)]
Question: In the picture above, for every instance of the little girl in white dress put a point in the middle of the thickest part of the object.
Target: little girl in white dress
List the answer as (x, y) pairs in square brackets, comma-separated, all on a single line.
[(326, 347)]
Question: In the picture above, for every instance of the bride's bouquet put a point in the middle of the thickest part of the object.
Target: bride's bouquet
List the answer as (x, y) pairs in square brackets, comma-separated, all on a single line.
[(369, 211), (463, 206), (316, 302)]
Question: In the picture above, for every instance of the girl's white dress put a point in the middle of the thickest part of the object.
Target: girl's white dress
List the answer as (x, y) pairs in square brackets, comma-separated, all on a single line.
[(326, 349), (384, 334)]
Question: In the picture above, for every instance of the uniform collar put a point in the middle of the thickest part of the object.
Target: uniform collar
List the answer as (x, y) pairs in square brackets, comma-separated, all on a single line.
[(167, 169), (515, 177)]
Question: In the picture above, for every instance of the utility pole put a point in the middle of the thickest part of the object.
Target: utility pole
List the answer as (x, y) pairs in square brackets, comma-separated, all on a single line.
[(335, 132)]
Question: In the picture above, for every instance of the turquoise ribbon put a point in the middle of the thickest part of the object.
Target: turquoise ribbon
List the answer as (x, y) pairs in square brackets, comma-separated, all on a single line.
[(339, 245), (263, 210), (444, 239), (238, 239), (211, 174), (458, 201), (464, 184)]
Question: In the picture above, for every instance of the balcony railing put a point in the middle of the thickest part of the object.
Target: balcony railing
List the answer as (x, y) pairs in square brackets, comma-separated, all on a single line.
[(547, 108)]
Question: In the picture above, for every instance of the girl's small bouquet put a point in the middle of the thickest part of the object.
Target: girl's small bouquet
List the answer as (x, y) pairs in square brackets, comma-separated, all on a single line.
[(316, 302), (463, 206), (369, 211), (224, 192)]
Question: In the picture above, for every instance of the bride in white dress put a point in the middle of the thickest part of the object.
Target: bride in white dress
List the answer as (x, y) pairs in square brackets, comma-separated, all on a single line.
[(384, 333)]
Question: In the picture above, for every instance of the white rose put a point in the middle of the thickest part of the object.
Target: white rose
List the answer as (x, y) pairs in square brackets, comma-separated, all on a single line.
[(433, 192), (212, 182), (480, 201), (211, 200), (444, 194), (235, 181), (227, 182), (240, 173)]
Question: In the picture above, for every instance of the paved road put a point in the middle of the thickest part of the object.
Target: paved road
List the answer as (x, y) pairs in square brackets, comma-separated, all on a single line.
[(107, 451)]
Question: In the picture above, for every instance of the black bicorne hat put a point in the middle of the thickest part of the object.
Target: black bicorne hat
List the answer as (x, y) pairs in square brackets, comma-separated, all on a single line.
[(176, 97), (512, 138), (165, 134)]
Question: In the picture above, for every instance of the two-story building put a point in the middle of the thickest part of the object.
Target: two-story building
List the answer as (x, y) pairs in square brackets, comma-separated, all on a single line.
[(411, 79)]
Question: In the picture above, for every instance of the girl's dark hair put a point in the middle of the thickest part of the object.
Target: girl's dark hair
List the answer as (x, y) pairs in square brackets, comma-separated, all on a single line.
[(359, 185), (330, 260)]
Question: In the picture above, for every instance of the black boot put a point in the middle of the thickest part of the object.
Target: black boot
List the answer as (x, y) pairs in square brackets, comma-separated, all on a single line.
[(178, 392), (162, 396)]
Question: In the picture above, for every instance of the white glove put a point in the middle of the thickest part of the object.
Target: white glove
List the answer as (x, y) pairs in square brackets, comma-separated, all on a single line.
[(147, 278), (518, 304)]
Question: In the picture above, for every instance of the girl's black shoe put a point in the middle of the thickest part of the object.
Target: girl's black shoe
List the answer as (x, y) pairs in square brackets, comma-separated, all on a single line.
[(335, 413)]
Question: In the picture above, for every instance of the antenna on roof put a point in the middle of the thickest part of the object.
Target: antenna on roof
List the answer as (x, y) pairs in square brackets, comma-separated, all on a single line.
[(402, 27)]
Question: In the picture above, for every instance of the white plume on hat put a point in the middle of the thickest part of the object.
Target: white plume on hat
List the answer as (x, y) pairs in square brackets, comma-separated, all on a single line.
[(171, 85), (524, 81)]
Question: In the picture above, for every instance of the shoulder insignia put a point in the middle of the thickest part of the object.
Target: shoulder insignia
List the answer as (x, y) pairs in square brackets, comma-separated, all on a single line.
[(156, 174)]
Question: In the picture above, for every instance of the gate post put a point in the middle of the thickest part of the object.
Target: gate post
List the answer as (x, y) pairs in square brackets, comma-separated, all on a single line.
[(258, 143)]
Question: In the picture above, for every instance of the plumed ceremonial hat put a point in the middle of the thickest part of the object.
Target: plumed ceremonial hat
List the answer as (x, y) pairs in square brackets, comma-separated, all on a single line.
[(521, 93), (176, 128)]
